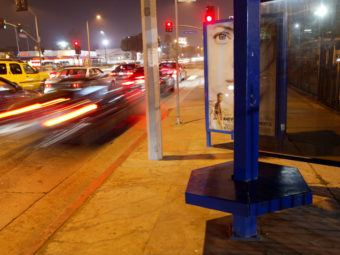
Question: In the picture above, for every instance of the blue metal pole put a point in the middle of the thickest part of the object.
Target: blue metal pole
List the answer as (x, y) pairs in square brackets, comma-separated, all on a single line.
[(247, 86), (246, 110)]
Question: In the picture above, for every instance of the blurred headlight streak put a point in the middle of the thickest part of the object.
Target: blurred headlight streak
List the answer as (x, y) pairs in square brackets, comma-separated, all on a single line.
[(70, 115), (31, 108)]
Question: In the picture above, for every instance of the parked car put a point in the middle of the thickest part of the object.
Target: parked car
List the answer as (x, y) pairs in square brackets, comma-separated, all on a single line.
[(169, 68), (11, 94), (22, 74)]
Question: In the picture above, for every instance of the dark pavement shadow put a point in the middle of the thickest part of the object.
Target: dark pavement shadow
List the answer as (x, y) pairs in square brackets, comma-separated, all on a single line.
[(225, 156), (187, 122), (316, 143), (304, 230), (228, 146)]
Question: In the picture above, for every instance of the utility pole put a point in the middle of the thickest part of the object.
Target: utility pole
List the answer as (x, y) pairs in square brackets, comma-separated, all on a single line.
[(88, 43), (38, 35), (151, 70), (17, 40), (178, 113), (38, 38)]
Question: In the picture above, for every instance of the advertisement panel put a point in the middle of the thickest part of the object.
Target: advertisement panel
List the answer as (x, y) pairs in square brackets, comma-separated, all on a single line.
[(220, 61), (219, 84)]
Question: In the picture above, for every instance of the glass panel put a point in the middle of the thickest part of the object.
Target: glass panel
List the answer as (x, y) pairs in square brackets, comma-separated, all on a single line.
[(3, 69), (15, 69), (311, 113)]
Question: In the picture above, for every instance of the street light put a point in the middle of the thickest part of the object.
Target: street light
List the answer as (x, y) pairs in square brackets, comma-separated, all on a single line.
[(105, 42), (178, 117), (62, 44), (98, 17), (297, 25), (321, 11), (102, 32)]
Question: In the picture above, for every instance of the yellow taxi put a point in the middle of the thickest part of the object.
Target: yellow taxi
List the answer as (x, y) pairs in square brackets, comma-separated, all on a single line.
[(22, 74)]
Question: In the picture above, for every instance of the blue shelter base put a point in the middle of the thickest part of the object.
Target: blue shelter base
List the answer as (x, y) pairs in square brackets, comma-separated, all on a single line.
[(277, 188)]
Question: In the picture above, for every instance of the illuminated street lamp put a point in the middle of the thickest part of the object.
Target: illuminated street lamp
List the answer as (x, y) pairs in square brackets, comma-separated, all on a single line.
[(106, 43), (321, 11), (178, 114), (98, 17), (297, 25), (102, 32), (62, 44)]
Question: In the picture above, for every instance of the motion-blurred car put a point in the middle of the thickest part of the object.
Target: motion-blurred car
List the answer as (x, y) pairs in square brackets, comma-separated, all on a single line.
[(75, 78), (88, 113), (51, 69), (136, 79), (11, 94), (169, 68), (124, 71), (22, 74)]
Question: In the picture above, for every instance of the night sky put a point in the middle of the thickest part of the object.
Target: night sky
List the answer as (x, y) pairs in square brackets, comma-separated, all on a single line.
[(65, 19)]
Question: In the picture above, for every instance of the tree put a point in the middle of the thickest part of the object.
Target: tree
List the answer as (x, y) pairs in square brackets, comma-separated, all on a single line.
[(132, 43)]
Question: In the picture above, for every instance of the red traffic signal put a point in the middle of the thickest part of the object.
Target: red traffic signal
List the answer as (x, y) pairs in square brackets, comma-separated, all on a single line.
[(169, 26), (77, 48), (210, 15)]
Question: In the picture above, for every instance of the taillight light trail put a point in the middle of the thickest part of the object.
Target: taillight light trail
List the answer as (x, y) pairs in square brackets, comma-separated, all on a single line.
[(32, 107), (128, 83), (71, 115)]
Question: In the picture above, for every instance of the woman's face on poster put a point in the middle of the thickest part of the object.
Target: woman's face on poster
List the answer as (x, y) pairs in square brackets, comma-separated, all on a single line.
[(223, 44)]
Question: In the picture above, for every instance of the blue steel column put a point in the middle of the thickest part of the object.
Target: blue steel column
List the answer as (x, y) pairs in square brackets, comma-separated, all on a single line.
[(246, 112)]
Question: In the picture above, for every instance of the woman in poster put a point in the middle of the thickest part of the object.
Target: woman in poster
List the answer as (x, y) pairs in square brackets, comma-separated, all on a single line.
[(221, 75)]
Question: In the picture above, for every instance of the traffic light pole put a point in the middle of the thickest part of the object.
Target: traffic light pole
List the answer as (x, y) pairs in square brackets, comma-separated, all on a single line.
[(38, 40), (15, 27), (178, 113), (151, 70), (88, 43), (17, 40)]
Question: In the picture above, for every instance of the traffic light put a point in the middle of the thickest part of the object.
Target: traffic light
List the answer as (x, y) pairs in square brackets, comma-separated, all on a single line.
[(21, 5), (169, 26), (210, 15), (77, 47), (2, 23)]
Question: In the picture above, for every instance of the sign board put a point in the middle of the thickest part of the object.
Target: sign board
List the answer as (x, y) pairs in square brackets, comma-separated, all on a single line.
[(183, 41), (219, 40), (219, 79), (189, 32)]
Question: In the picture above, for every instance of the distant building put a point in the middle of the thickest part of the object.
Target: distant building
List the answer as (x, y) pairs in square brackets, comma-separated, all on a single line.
[(63, 57), (113, 56)]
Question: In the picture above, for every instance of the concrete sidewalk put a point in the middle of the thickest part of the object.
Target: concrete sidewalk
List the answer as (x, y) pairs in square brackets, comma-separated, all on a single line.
[(140, 209)]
